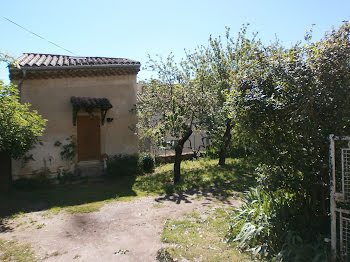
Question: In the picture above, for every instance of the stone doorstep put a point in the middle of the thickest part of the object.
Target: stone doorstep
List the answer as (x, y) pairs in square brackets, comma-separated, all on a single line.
[(89, 168)]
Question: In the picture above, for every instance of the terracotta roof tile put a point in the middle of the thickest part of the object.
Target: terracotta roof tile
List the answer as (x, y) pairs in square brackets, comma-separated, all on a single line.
[(91, 102), (49, 60)]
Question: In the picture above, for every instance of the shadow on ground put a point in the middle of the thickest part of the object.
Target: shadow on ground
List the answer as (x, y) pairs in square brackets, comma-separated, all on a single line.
[(236, 176), (210, 194), (198, 179), (28, 199)]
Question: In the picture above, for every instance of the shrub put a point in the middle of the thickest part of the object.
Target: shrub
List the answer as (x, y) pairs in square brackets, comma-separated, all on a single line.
[(123, 165), (271, 225), (39, 180), (146, 162), (252, 224)]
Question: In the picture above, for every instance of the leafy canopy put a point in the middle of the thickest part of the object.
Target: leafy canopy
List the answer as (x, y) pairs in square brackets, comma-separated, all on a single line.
[(171, 104), (20, 127)]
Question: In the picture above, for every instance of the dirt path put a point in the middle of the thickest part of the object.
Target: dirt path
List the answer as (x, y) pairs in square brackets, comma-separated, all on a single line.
[(120, 231)]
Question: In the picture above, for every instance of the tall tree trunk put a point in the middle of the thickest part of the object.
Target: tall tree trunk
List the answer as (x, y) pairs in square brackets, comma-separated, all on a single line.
[(178, 155), (226, 139)]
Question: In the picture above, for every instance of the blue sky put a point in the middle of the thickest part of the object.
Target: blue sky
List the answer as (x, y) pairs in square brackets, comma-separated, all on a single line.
[(133, 29)]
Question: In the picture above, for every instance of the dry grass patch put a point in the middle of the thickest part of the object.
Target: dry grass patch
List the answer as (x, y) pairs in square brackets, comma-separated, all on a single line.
[(201, 239), (13, 251)]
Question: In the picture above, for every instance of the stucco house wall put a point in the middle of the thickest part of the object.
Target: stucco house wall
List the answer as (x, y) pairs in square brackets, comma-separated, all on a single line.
[(52, 99)]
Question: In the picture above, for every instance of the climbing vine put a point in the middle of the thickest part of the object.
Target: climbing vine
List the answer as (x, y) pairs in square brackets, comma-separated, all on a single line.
[(68, 150)]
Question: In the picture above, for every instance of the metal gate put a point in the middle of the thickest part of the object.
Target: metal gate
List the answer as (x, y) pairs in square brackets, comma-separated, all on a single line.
[(340, 196)]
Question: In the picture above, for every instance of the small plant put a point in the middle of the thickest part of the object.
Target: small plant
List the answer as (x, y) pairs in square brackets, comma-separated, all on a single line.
[(68, 150), (146, 162), (164, 256), (270, 226), (40, 226), (65, 177), (57, 143), (123, 165), (121, 252), (53, 254), (27, 158)]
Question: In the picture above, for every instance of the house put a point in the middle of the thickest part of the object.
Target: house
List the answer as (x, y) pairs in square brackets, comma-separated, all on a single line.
[(87, 102)]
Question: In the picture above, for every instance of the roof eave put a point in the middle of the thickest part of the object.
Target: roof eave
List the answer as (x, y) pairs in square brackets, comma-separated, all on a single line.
[(136, 66)]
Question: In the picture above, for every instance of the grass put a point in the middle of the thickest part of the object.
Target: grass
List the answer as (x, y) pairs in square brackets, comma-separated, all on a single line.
[(236, 176), (12, 251), (200, 239), (192, 237)]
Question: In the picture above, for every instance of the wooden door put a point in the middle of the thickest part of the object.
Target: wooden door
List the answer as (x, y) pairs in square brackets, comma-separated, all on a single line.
[(88, 138)]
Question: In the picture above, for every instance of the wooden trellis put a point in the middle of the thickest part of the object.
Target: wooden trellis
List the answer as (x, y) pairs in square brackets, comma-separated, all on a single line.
[(340, 197)]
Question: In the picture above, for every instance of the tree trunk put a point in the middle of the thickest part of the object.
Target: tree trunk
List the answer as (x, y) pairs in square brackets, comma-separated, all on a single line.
[(226, 139), (178, 155)]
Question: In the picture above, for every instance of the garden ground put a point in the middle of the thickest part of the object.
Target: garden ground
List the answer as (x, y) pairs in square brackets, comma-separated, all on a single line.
[(129, 222)]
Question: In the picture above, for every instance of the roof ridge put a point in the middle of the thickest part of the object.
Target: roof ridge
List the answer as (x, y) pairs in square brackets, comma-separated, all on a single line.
[(31, 60), (73, 56)]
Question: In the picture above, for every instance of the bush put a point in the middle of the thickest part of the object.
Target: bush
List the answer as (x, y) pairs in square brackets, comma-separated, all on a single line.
[(146, 162), (123, 165), (273, 225), (39, 180)]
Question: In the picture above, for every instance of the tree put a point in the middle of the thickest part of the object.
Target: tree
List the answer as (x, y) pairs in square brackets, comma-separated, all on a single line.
[(222, 63), (171, 105), (20, 127), (286, 107)]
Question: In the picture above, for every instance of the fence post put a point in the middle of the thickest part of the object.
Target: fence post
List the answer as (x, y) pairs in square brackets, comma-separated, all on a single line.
[(332, 198)]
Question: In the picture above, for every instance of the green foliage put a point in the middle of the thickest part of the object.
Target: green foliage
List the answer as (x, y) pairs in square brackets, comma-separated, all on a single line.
[(20, 127), (164, 256), (290, 103), (236, 148), (123, 165), (146, 162), (170, 104), (9, 60), (173, 104), (57, 143), (68, 150), (286, 104), (218, 65), (271, 225), (296, 249)]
